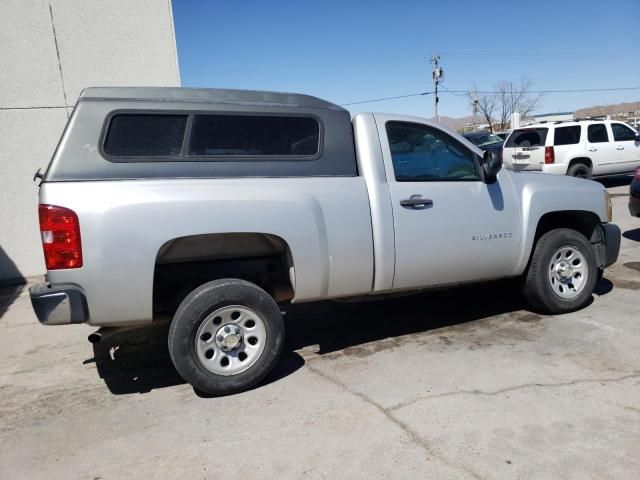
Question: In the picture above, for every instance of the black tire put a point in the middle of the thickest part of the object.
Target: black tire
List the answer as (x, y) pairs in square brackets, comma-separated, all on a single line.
[(537, 288), (579, 170), (196, 307)]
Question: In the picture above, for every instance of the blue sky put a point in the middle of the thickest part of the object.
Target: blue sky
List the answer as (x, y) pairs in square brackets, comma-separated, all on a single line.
[(346, 51)]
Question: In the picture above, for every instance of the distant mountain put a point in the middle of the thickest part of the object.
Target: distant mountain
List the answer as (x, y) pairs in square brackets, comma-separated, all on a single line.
[(608, 109), (457, 123)]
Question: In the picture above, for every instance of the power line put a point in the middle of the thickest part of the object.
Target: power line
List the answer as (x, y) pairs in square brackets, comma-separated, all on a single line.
[(466, 92), (386, 98), (575, 90), (526, 54)]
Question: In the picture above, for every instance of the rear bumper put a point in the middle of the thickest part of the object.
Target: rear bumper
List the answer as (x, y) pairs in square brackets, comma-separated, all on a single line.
[(59, 305), (519, 166), (611, 243)]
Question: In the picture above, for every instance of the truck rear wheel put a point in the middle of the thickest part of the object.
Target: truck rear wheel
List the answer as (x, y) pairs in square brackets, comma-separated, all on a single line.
[(563, 272), (226, 336)]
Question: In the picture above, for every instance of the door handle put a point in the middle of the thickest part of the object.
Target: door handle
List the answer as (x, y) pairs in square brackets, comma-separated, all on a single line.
[(416, 202), (593, 149), (619, 147)]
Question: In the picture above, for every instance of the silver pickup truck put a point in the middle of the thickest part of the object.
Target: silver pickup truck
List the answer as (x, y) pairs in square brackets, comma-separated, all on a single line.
[(217, 207)]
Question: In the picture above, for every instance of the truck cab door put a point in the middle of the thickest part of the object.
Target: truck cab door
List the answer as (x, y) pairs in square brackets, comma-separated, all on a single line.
[(627, 148), (450, 227)]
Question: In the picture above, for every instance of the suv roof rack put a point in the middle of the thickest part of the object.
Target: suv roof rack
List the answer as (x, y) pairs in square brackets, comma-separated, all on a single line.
[(595, 117)]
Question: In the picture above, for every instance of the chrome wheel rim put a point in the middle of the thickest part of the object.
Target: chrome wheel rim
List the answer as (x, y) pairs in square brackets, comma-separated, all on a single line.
[(568, 272), (230, 340)]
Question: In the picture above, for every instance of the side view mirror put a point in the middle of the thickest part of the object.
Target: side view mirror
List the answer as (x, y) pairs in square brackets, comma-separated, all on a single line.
[(491, 165)]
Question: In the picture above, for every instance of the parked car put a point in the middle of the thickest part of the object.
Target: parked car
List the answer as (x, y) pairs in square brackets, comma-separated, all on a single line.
[(634, 194), (485, 140), (219, 207), (581, 148), (503, 135)]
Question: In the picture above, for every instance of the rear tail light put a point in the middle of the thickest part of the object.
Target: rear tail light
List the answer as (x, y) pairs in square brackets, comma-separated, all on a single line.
[(60, 232), (549, 155)]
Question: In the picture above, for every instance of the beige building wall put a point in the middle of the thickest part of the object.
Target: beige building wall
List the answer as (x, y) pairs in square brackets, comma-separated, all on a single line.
[(50, 51)]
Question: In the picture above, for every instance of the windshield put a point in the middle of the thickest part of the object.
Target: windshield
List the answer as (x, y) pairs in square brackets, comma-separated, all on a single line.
[(484, 139)]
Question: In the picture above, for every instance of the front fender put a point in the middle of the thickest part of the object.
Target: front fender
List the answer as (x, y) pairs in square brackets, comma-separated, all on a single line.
[(542, 194)]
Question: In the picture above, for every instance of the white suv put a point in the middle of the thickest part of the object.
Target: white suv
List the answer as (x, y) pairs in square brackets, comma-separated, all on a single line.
[(580, 148)]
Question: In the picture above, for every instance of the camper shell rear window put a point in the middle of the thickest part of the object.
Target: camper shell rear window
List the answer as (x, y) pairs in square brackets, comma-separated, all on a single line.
[(200, 136), (144, 135), (254, 135)]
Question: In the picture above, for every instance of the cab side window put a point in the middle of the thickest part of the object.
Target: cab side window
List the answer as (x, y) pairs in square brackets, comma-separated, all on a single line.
[(597, 133), (567, 135), (622, 133), (421, 153)]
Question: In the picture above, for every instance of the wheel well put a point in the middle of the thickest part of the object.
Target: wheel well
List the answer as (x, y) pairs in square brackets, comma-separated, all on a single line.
[(182, 264), (585, 160), (581, 221)]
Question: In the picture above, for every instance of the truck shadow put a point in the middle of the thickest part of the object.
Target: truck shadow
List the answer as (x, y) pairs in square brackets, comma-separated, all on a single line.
[(12, 283), (138, 361), (8, 294), (615, 180), (135, 360), (334, 326), (632, 234)]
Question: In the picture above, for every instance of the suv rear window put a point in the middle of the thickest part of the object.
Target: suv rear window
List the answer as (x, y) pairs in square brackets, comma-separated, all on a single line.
[(254, 135), (566, 135), (527, 137), (145, 135)]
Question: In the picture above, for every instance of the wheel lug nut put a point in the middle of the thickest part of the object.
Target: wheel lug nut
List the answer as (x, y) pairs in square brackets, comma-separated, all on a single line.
[(227, 329), (220, 338)]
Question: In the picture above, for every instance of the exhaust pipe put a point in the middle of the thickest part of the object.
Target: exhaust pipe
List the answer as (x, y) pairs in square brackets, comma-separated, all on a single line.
[(104, 332), (96, 336)]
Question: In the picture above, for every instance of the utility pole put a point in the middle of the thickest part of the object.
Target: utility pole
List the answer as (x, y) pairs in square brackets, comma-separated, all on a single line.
[(438, 76), (474, 105)]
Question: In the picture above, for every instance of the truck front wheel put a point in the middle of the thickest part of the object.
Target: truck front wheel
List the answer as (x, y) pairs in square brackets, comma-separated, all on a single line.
[(563, 272), (226, 336)]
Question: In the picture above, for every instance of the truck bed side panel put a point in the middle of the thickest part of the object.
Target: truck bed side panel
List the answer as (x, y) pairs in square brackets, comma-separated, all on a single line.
[(325, 221)]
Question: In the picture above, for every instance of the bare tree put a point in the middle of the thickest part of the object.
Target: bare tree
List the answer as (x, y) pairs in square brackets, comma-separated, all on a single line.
[(486, 105), (507, 99), (515, 98)]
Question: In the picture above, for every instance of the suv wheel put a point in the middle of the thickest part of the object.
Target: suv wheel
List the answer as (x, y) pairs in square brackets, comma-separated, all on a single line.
[(579, 170), (563, 272), (226, 336)]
